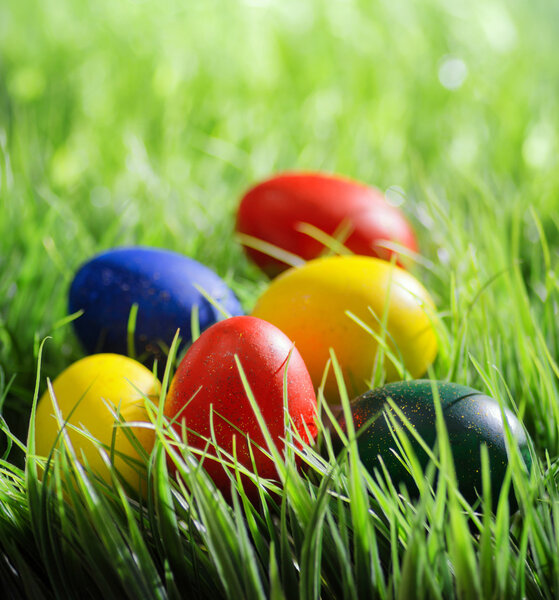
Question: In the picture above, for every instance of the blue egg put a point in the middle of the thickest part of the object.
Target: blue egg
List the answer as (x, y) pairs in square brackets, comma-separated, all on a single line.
[(161, 283)]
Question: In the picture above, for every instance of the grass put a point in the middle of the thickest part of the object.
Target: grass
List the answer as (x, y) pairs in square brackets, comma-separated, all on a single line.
[(143, 123)]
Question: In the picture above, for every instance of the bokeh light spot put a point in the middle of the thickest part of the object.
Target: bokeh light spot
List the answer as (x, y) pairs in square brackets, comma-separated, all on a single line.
[(452, 72)]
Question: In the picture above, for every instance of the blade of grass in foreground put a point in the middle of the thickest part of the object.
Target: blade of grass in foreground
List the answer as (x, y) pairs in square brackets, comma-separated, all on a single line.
[(367, 570)]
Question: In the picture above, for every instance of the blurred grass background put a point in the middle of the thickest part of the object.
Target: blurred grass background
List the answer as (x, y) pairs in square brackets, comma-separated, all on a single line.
[(143, 122)]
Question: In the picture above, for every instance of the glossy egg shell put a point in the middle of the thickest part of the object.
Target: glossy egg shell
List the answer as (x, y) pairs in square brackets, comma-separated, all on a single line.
[(161, 283), (82, 391), (310, 303), (273, 210), (208, 380), (471, 418)]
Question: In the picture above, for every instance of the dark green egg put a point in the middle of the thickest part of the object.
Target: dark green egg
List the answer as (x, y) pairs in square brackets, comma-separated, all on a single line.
[(471, 418)]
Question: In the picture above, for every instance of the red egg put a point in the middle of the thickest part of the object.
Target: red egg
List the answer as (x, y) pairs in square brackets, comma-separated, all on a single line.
[(208, 385), (274, 211)]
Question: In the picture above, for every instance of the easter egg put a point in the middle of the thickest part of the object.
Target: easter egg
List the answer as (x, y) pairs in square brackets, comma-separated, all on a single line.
[(163, 286), (276, 211), (313, 305), (86, 393), (207, 391), (472, 419)]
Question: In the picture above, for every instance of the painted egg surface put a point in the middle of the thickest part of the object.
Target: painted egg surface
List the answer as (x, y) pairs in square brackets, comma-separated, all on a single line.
[(161, 283), (82, 393), (310, 304), (208, 385), (471, 418), (359, 216)]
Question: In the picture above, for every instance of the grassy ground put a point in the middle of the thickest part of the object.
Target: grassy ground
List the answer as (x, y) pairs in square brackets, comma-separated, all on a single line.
[(142, 123)]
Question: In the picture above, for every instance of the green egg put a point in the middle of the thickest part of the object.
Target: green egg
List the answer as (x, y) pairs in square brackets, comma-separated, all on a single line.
[(472, 419)]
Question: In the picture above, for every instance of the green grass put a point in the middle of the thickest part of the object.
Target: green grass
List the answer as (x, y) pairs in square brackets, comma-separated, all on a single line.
[(143, 123)]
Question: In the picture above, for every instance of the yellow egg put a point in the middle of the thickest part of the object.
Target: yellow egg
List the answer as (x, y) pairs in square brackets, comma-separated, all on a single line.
[(82, 393), (312, 305)]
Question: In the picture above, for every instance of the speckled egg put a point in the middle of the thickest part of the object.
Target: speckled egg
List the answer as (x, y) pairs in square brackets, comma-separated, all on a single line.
[(207, 393), (277, 210), (471, 418), (86, 393), (162, 284), (316, 305)]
